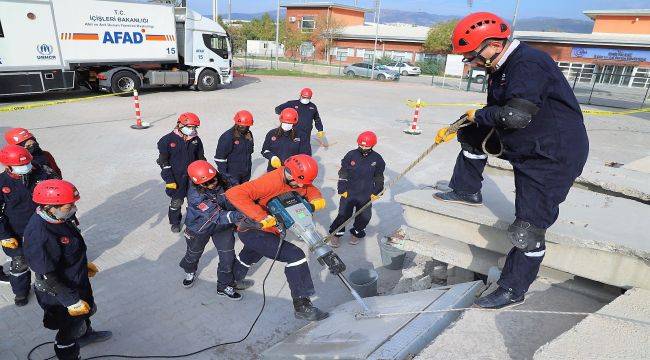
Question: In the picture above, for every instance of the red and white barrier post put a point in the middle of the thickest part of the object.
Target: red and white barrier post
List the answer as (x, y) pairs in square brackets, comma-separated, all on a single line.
[(414, 129), (139, 124)]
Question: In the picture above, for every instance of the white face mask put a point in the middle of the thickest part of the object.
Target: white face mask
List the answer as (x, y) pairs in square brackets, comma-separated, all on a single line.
[(64, 215), (305, 101), (188, 131), (286, 127), (21, 169)]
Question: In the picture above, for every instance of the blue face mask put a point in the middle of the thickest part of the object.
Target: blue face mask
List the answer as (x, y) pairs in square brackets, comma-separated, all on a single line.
[(22, 169), (188, 131)]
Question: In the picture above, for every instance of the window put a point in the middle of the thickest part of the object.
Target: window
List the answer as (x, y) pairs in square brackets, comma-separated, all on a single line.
[(641, 78), (583, 72), (217, 43), (308, 23)]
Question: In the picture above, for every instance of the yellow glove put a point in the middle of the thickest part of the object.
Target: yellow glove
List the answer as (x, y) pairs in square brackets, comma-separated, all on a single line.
[(320, 134), (10, 243), (275, 162), (470, 114), (442, 135), (172, 186), (80, 308), (268, 222), (319, 204), (374, 197), (344, 195), (92, 269)]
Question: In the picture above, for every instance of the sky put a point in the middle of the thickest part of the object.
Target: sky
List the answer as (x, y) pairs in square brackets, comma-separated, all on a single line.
[(528, 8)]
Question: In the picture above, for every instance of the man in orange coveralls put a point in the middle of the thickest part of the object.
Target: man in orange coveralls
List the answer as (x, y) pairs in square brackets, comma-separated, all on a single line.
[(250, 198)]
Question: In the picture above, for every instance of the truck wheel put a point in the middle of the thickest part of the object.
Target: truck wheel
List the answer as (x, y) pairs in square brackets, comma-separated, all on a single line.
[(208, 80), (124, 81)]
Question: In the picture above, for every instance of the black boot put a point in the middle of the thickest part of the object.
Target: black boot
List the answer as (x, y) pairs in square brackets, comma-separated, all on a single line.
[(93, 336), (21, 300), (359, 234), (499, 299), (188, 282), (460, 197), (230, 293), (306, 311), (176, 228), (4, 278)]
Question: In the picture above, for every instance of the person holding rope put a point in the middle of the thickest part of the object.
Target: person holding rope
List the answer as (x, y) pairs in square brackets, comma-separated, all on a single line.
[(533, 120)]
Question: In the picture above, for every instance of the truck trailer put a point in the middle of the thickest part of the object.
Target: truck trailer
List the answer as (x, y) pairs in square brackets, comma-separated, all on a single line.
[(114, 46)]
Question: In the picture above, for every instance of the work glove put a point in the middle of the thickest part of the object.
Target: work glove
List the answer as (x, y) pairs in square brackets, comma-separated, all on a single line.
[(79, 308), (442, 136), (318, 204), (320, 134), (170, 188), (10, 243), (374, 197), (268, 222), (471, 114), (92, 269), (275, 162), (344, 195)]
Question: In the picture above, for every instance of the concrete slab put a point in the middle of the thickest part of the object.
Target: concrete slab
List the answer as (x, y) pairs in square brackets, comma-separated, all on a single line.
[(341, 336), (631, 180), (623, 335), (582, 242)]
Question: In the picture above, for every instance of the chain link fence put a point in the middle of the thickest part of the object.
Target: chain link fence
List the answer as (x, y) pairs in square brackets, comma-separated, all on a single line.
[(610, 89)]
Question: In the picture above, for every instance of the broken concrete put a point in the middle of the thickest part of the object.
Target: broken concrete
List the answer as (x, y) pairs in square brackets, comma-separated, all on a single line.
[(630, 180), (622, 333), (341, 336), (582, 242)]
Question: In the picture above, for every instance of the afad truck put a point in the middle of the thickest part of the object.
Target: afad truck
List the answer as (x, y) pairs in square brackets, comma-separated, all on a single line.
[(114, 46)]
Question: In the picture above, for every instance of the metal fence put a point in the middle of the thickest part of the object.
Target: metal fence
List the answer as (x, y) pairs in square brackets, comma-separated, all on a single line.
[(610, 89)]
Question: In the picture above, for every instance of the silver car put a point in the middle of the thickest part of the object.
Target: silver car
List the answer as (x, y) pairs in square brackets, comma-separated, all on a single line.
[(365, 70), (404, 68)]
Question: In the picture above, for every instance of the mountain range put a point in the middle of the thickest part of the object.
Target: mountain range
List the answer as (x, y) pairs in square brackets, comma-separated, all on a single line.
[(428, 19)]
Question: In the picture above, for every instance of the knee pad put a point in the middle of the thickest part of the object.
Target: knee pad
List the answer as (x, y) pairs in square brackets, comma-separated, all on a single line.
[(176, 204), (18, 265), (526, 236)]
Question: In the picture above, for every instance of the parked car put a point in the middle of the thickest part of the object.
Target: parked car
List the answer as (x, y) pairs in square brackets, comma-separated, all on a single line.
[(478, 75), (404, 68), (365, 70)]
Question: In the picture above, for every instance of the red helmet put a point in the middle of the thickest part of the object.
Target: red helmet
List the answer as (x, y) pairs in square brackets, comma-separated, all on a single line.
[(367, 139), (475, 28), (289, 116), (17, 135), (189, 119), (201, 171), (243, 118), (306, 93), (14, 155), (55, 192), (303, 168)]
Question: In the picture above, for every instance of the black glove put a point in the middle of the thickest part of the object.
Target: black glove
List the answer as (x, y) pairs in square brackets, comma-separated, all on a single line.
[(333, 262)]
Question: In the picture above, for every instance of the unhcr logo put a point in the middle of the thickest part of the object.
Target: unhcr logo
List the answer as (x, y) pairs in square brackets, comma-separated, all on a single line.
[(45, 51)]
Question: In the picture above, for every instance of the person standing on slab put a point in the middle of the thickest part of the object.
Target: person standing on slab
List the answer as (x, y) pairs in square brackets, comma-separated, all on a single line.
[(235, 148), (533, 120), (285, 141), (308, 115)]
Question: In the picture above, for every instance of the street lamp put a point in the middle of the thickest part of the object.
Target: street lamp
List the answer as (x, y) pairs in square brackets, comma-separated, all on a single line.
[(374, 51)]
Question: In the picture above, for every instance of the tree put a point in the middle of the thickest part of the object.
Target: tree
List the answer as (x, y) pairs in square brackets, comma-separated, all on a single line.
[(326, 30), (293, 38), (439, 37), (260, 29)]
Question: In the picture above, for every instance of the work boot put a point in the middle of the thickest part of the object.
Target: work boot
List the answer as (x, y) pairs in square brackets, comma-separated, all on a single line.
[(499, 298), (359, 234), (4, 278), (460, 197), (91, 336), (306, 311), (230, 292), (188, 282), (21, 300), (244, 284), (176, 228)]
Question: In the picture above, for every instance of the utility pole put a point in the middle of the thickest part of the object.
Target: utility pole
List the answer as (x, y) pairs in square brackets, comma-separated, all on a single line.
[(277, 34), (514, 20), (229, 12), (215, 9), (374, 52)]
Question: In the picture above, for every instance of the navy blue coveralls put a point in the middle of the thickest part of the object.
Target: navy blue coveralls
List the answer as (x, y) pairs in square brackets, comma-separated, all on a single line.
[(16, 207), (285, 144), (234, 156), (547, 155), (59, 248), (307, 115), (176, 154), (210, 215), (360, 176)]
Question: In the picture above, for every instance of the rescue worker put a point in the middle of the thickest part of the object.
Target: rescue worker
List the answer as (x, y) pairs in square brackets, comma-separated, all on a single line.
[(534, 119), (24, 138), (307, 113), (56, 252), (16, 207), (177, 150), (209, 215), (235, 148), (361, 180), (285, 141), (251, 198)]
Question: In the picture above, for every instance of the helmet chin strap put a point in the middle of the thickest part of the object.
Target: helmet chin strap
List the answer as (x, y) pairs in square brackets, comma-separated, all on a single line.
[(489, 62)]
